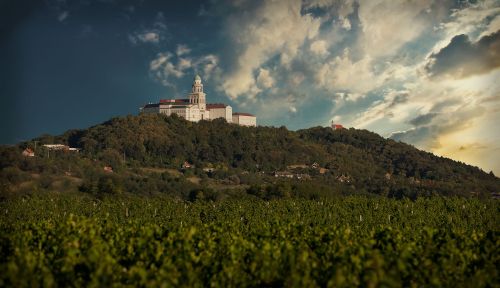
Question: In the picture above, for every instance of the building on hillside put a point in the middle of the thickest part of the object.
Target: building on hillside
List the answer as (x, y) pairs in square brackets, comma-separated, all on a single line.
[(244, 119), (28, 152), (219, 110), (194, 108), (336, 126), (55, 147)]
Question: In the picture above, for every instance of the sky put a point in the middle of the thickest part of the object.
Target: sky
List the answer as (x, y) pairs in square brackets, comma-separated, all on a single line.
[(423, 72)]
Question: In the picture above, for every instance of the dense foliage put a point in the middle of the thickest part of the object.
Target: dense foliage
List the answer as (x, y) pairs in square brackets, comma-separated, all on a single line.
[(351, 161), (61, 240)]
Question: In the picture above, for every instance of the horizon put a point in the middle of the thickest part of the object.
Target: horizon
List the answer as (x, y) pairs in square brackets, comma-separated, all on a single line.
[(424, 76)]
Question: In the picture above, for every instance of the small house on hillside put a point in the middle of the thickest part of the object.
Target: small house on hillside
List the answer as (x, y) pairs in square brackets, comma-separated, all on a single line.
[(284, 174), (187, 165), (28, 152)]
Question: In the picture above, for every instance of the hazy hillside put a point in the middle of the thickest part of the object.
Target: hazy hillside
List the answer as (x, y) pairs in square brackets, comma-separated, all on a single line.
[(348, 160)]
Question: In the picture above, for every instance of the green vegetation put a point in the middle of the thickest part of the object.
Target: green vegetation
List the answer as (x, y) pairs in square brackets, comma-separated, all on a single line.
[(146, 153), (69, 240), (154, 201)]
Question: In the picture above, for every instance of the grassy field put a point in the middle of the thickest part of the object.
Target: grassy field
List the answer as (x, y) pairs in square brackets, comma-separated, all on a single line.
[(74, 240)]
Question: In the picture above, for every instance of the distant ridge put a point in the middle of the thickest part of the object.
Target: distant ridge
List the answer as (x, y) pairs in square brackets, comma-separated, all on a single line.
[(369, 162)]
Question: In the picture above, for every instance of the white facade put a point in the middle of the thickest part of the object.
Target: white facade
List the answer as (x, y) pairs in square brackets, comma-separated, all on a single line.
[(220, 111), (244, 119), (195, 108)]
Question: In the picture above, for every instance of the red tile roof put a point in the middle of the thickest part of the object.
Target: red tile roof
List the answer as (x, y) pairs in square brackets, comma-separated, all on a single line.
[(243, 114), (337, 126), (174, 101), (216, 106)]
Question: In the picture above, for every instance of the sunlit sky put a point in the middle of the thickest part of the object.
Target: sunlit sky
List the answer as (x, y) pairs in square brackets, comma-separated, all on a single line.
[(423, 72)]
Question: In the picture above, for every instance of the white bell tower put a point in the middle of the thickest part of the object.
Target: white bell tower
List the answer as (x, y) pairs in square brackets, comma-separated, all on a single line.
[(197, 97)]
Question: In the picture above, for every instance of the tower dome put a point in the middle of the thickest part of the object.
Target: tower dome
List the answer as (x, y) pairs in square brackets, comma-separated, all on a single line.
[(197, 77)]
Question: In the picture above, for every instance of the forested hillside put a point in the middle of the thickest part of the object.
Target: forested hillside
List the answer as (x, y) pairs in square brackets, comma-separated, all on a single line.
[(147, 153)]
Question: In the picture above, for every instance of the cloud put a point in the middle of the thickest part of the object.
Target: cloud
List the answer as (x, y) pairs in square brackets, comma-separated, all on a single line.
[(163, 68), (63, 16), (346, 24), (273, 28), (370, 58), (319, 47), (145, 37), (385, 108), (264, 79), (182, 49), (167, 66), (447, 107), (470, 20), (424, 119), (152, 34), (344, 73), (209, 64), (462, 58), (426, 134), (387, 26)]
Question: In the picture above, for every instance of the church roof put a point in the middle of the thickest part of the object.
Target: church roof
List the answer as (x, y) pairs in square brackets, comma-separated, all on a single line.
[(216, 106), (243, 114), (162, 101), (197, 77)]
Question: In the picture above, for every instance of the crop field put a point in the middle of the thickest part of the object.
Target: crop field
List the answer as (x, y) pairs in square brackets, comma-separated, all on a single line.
[(62, 240)]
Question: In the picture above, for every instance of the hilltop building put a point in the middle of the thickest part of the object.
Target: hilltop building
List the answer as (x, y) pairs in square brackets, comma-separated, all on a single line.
[(195, 108), (336, 126)]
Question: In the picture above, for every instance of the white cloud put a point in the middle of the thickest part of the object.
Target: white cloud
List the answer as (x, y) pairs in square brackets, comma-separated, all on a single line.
[(319, 47), (152, 34), (182, 49), (388, 107), (209, 65), (168, 65), (342, 73), (144, 37), (346, 24), (468, 21), (273, 28), (493, 27), (151, 37), (264, 78), (387, 26), (159, 61)]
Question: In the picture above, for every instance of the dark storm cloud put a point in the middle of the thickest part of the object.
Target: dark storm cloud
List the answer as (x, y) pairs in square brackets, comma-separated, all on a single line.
[(463, 58)]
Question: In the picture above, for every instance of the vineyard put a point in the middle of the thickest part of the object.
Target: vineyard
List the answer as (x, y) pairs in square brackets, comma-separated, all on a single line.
[(61, 240)]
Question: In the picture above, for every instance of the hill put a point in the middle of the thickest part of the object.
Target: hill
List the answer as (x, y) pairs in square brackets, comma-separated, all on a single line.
[(147, 153)]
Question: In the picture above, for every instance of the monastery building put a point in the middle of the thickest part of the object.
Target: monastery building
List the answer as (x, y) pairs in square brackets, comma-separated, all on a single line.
[(195, 108)]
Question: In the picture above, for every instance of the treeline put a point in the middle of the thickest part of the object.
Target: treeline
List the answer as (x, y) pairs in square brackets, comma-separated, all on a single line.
[(350, 161)]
